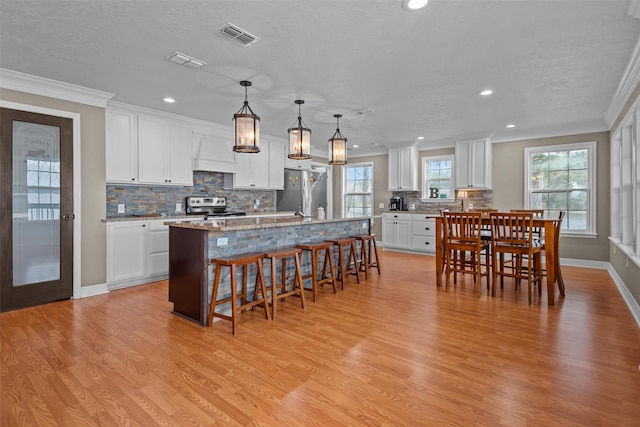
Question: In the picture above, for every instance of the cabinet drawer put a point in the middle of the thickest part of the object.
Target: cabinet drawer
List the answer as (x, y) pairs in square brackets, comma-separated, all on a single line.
[(396, 216), (423, 228), (423, 243)]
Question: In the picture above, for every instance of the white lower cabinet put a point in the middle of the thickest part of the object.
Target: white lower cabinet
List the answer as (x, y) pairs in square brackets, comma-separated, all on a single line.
[(126, 251), (137, 252), (409, 231), (423, 236), (158, 253), (396, 230)]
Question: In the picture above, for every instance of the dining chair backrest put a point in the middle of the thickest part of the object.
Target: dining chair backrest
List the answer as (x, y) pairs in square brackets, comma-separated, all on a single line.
[(538, 232), (462, 226), (511, 228)]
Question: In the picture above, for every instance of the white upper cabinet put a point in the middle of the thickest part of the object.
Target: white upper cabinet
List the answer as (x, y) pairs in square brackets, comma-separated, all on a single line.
[(473, 164), (259, 171), (164, 151), (147, 149), (277, 158), (403, 169), (122, 146)]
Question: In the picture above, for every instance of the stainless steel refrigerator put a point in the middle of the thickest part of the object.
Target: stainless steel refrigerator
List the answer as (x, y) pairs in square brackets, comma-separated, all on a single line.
[(304, 191)]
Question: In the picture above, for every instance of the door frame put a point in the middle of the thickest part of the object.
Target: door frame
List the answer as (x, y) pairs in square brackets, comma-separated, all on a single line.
[(77, 206)]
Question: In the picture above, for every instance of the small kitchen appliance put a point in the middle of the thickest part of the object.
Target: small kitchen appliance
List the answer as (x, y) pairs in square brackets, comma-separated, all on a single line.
[(209, 206), (396, 204)]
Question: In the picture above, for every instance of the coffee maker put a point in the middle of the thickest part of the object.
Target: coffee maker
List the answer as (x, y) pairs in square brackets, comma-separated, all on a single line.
[(396, 203)]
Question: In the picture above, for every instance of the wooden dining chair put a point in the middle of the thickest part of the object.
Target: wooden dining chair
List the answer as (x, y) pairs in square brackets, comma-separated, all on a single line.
[(462, 235), (510, 235)]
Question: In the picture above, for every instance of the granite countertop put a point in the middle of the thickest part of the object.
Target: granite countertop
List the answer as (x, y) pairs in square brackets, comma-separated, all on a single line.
[(145, 217), (247, 223)]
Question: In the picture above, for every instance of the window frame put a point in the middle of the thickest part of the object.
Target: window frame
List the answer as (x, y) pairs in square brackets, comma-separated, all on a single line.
[(344, 187), (425, 173), (591, 147)]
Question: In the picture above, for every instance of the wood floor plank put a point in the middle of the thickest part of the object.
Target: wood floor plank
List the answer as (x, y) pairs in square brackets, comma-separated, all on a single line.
[(393, 350)]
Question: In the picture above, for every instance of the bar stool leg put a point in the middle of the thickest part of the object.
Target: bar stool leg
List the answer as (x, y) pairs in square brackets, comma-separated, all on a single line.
[(352, 257), (234, 302), (375, 250), (328, 259), (214, 294)]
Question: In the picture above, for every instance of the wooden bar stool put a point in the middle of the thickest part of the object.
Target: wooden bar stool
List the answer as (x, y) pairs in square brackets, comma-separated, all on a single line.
[(233, 262), (351, 266), (328, 270), (296, 289), (366, 254)]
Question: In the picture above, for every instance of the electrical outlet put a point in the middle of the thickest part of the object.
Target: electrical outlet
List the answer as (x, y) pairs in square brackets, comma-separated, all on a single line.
[(178, 207), (120, 207), (470, 206), (223, 241), (381, 205), (365, 224), (256, 204)]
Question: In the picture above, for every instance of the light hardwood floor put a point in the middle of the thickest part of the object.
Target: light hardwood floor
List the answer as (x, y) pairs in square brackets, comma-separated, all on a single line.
[(392, 351)]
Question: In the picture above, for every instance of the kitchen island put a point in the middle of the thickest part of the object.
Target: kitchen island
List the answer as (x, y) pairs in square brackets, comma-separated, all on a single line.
[(192, 244)]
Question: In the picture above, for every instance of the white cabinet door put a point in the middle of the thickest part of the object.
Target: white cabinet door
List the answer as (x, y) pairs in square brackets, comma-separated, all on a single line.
[(178, 165), (403, 234), (396, 230), (126, 251), (253, 170), (277, 155), (121, 146), (164, 149), (152, 150), (403, 169), (473, 164)]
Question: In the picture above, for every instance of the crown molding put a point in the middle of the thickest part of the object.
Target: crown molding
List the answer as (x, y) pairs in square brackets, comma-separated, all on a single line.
[(630, 77), (22, 82)]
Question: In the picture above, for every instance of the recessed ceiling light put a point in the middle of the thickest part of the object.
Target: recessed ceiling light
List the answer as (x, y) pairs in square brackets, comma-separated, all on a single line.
[(421, 138), (510, 125), (356, 146), (413, 5), (487, 92), (169, 100)]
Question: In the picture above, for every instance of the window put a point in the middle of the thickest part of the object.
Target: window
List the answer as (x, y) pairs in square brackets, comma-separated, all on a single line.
[(437, 178), (562, 178), (357, 184), (625, 185)]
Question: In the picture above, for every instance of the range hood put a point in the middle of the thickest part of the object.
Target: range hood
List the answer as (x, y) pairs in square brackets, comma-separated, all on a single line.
[(213, 153)]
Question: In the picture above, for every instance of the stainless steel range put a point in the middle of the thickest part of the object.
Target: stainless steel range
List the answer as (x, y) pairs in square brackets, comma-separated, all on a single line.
[(209, 206)]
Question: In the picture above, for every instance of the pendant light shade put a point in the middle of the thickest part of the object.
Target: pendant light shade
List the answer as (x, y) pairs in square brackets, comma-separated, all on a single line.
[(299, 138), (246, 127), (337, 145)]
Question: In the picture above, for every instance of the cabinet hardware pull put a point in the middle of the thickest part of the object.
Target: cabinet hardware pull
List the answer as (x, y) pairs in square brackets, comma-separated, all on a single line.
[(427, 228)]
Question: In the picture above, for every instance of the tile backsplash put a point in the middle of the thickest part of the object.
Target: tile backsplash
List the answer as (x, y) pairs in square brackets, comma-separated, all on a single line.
[(146, 199), (479, 198)]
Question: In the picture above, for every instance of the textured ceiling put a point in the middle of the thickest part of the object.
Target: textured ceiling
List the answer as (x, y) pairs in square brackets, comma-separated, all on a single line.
[(554, 65)]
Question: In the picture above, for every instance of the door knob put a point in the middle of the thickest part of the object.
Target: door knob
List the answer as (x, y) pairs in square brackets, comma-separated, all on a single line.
[(66, 217)]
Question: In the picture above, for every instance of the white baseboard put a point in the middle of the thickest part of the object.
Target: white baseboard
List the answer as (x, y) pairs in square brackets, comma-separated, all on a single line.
[(634, 308), (91, 291)]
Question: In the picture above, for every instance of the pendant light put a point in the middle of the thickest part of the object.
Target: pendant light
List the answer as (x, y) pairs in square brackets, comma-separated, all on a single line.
[(337, 145), (299, 138), (246, 126)]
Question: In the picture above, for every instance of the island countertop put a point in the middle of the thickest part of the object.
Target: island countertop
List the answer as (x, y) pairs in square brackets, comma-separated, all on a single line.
[(245, 223)]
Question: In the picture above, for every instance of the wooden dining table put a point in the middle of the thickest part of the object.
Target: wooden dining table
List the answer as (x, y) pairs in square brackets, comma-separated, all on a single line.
[(551, 257)]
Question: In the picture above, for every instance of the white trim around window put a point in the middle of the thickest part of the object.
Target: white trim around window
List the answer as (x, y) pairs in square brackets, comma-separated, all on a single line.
[(586, 227), (358, 194), (426, 192)]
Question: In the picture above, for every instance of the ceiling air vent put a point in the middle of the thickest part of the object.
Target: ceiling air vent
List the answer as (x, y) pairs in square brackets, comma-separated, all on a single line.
[(237, 35)]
